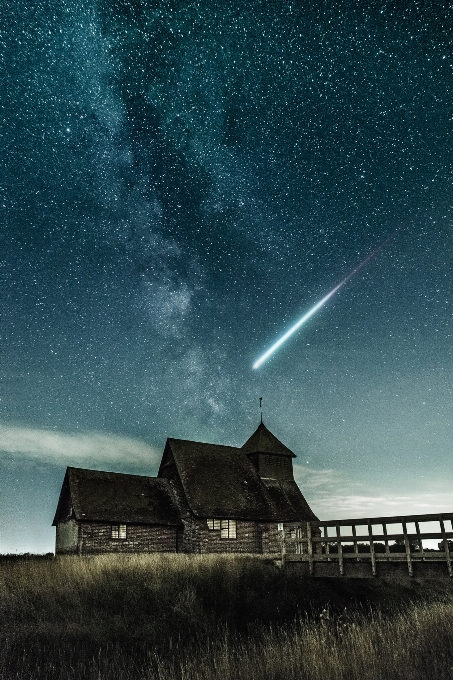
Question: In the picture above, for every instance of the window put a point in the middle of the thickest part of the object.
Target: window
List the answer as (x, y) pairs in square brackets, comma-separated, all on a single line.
[(119, 531), (228, 528), (213, 523)]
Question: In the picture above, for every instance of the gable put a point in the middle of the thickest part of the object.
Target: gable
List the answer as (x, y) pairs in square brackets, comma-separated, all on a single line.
[(64, 509)]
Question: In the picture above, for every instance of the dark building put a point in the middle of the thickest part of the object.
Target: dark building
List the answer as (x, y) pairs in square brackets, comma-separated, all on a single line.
[(206, 498)]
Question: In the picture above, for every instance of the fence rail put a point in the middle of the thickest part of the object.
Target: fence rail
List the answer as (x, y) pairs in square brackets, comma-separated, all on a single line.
[(311, 543)]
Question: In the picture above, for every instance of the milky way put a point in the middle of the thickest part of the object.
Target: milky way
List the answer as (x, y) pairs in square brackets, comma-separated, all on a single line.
[(176, 178)]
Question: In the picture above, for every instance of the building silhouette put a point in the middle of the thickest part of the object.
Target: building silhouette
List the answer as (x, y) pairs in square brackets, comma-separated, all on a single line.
[(206, 498)]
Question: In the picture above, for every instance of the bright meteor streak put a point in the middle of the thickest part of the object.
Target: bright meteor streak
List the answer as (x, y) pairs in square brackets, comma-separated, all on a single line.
[(317, 306)]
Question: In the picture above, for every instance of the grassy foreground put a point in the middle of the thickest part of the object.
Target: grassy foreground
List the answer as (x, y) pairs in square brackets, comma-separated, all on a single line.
[(182, 617)]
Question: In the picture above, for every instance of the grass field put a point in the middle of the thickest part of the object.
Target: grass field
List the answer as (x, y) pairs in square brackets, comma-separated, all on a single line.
[(215, 617)]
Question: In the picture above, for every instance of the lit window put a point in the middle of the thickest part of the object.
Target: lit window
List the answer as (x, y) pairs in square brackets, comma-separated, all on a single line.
[(213, 523), (228, 528), (119, 531)]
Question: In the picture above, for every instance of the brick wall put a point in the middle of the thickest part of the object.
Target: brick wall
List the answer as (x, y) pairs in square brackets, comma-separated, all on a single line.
[(248, 539), (96, 538)]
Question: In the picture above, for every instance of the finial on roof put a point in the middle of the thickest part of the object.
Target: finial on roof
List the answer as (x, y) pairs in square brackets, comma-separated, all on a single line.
[(261, 410)]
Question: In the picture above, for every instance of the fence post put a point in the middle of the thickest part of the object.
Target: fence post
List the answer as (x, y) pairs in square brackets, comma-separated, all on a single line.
[(372, 553), (387, 549), (339, 549), (420, 542), (326, 544), (408, 550), (356, 545), (446, 548), (310, 549)]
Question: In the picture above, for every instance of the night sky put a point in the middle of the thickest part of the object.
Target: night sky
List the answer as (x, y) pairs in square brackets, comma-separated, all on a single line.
[(180, 182)]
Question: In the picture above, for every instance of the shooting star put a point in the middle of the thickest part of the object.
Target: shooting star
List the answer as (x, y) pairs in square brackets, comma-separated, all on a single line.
[(318, 305)]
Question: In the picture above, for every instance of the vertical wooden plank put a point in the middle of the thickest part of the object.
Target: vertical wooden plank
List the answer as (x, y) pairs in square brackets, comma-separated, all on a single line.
[(340, 549), (372, 553), (387, 549), (420, 542), (326, 544), (283, 539), (356, 545), (446, 548), (310, 549), (408, 550), (299, 543)]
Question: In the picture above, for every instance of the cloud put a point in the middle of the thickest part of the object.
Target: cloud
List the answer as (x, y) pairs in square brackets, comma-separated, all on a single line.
[(75, 449), (385, 504), (312, 478), (333, 496)]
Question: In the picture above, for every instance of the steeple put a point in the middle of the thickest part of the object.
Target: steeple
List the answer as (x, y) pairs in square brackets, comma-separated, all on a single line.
[(269, 455)]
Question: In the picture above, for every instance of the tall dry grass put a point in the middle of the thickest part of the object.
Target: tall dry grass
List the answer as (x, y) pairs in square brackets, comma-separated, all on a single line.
[(178, 617)]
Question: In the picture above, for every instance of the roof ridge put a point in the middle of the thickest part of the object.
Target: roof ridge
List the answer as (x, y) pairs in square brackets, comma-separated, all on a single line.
[(193, 441), (71, 468)]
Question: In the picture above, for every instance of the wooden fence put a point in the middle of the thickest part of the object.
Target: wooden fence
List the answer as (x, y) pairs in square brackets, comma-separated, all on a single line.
[(372, 546)]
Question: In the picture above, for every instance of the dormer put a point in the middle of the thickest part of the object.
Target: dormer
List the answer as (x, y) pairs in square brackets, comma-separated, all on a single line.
[(271, 458)]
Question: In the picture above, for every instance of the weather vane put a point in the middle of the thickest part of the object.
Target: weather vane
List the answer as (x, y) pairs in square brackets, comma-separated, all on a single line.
[(261, 410)]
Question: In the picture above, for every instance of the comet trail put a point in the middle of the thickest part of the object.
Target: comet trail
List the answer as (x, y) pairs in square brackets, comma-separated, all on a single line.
[(318, 305)]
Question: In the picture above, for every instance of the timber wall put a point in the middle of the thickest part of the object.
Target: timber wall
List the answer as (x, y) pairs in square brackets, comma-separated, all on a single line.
[(251, 537), (95, 538)]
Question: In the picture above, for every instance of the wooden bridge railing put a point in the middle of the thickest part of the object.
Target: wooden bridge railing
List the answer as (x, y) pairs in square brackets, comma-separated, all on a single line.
[(310, 542)]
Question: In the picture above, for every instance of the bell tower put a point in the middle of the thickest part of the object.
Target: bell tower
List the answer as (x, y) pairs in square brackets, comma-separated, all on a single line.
[(271, 458)]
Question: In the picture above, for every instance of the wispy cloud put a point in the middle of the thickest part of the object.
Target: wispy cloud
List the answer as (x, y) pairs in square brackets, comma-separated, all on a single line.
[(75, 449), (312, 478), (332, 495), (337, 506)]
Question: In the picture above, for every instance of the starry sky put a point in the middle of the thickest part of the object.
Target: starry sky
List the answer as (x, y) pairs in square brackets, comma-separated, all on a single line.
[(180, 182)]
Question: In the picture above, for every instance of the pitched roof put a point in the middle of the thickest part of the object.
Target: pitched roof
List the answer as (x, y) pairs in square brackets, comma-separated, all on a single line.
[(288, 501), (263, 441), (115, 497), (220, 481)]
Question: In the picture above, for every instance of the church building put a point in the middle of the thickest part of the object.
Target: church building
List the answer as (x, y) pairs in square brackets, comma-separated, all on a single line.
[(206, 498)]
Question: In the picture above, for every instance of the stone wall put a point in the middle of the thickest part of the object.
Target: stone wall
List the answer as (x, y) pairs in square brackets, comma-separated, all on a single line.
[(96, 538)]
